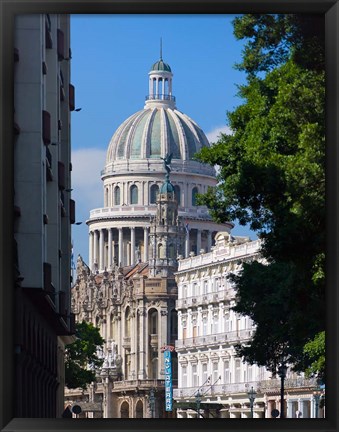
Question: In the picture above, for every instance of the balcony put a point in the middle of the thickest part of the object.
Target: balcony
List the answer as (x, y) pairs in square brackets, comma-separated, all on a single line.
[(154, 341), (216, 339), (126, 343), (204, 299), (216, 390), (141, 384)]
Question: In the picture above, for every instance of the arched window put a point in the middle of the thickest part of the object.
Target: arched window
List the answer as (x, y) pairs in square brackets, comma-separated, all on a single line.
[(171, 251), (174, 325), (127, 323), (117, 195), (154, 194), (155, 368), (124, 410), (177, 194), (153, 322), (106, 197), (139, 410), (134, 194), (194, 196)]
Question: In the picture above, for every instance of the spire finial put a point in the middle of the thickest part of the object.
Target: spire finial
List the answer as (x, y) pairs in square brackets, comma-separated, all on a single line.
[(160, 48)]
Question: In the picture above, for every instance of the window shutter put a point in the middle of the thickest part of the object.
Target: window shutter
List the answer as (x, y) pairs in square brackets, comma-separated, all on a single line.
[(46, 127), (71, 97), (60, 44)]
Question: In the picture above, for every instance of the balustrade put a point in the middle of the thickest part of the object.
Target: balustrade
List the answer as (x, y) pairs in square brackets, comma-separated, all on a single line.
[(218, 338)]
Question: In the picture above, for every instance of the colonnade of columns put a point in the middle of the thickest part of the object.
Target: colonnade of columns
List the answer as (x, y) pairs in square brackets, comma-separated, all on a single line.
[(297, 407), (128, 245)]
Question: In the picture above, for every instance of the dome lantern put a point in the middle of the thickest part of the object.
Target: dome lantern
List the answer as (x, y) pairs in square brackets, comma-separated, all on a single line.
[(160, 84)]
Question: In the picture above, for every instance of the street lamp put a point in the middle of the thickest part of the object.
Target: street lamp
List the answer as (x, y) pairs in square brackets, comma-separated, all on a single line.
[(198, 401), (316, 395), (282, 373), (152, 402), (251, 395)]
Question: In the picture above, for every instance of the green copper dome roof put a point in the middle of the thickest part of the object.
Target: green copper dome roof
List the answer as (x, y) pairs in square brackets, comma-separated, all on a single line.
[(167, 187), (153, 132), (161, 66)]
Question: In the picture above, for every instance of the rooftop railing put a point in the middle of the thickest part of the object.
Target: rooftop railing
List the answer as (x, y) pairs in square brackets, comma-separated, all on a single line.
[(160, 97)]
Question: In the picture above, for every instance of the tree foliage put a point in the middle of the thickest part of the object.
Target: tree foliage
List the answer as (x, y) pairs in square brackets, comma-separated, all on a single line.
[(272, 177), (315, 351), (81, 358)]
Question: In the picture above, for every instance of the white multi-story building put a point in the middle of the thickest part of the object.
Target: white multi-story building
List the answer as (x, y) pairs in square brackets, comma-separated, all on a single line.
[(210, 375)]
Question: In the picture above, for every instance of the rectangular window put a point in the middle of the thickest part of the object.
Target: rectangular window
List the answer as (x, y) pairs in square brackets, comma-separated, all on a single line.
[(215, 325), (204, 373), (204, 327), (195, 376), (184, 376), (249, 372), (205, 287), (237, 371), (215, 373), (227, 372)]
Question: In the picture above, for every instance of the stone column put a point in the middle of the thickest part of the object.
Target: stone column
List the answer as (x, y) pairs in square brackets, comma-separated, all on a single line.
[(101, 250), (109, 261), (90, 250), (162, 340), (96, 239), (209, 241), (145, 244), (120, 246), (142, 341), (142, 192), (187, 242), (132, 245), (301, 407), (289, 413), (198, 241)]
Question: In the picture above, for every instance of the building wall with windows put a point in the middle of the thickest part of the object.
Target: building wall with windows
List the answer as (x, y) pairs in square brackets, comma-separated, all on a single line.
[(44, 211), (208, 331)]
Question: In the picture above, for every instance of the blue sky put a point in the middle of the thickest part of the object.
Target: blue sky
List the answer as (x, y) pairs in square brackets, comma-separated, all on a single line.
[(111, 58)]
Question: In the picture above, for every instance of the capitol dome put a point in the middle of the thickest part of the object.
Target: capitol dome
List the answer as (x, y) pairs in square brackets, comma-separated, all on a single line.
[(155, 131), (134, 175)]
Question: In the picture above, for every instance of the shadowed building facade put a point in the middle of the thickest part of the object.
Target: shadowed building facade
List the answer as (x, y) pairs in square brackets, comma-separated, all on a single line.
[(43, 212)]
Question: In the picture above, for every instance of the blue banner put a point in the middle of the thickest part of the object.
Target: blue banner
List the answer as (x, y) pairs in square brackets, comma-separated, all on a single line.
[(168, 381)]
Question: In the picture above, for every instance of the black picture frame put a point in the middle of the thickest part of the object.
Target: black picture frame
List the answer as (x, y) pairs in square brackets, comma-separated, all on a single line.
[(8, 10)]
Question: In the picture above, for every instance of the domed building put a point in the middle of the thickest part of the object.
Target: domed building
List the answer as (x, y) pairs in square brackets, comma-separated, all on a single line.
[(134, 172), (149, 219)]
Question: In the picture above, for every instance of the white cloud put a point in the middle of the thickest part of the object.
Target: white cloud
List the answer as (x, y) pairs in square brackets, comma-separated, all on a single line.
[(86, 179), (214, 135)]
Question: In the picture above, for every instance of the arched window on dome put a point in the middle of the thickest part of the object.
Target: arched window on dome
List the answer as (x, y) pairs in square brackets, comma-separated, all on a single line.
[(194, 196), (106, 197), (117, 195), (177, 193), (154, 194), (134, 194)]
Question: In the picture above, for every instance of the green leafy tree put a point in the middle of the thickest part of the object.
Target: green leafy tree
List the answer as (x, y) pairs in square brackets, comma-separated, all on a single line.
[(272, 177), (315, 351), (81, 358)]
